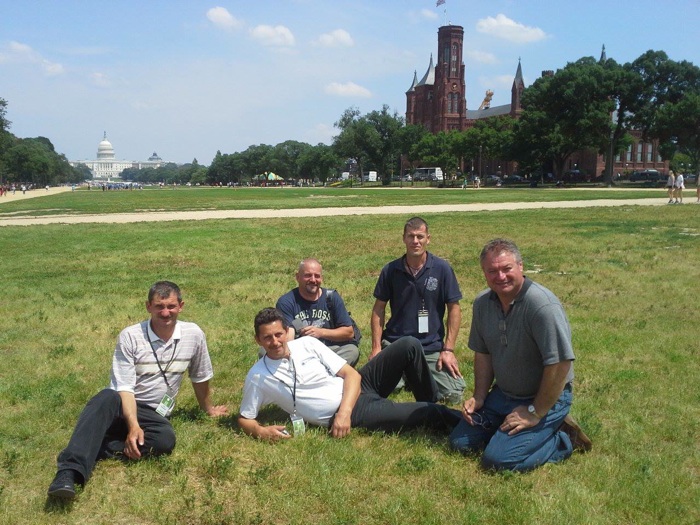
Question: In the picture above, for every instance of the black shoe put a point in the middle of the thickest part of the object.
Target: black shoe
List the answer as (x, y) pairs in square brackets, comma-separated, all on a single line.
[(63, 485)]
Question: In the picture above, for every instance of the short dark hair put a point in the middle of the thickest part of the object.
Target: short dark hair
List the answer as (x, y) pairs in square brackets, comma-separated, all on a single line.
[(499, 246), (164, 289), (415, 223), (269, 316)]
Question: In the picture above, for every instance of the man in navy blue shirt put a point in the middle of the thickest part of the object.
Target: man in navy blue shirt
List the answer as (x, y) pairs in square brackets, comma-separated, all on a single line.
[(419, 287), (319, 312)]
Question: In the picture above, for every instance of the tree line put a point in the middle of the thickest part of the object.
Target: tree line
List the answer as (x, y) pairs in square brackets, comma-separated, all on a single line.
[(587, 105), (33, 160)]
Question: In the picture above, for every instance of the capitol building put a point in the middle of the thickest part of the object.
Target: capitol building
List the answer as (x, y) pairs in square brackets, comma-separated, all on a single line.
[(107, 167)]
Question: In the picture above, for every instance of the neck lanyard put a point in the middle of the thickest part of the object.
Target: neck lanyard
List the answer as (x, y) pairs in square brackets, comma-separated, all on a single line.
[(167, 384), (293, 390)]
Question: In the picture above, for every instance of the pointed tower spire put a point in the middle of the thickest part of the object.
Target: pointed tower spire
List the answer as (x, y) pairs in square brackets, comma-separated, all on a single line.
[(415, 81), (603, 56), (516, 91)]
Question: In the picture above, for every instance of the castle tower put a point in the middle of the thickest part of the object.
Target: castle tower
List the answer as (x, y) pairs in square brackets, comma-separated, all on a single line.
[(449, 102), (516, 93)]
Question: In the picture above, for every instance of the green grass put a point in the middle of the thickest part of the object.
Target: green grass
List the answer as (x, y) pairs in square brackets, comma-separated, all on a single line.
[(628, 277), (195, 199)]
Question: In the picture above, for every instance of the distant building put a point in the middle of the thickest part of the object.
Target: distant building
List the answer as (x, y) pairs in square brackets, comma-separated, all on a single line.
[(106, 167), (438, 102)]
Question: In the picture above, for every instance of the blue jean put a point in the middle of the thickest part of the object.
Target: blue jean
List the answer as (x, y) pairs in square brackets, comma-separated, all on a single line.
[(526, 450)]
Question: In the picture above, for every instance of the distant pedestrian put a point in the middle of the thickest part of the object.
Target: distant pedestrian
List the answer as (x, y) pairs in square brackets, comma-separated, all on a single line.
[(680, 186), (670, 185)]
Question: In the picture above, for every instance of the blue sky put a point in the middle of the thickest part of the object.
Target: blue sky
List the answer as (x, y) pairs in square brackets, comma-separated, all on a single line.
[(188, 78)]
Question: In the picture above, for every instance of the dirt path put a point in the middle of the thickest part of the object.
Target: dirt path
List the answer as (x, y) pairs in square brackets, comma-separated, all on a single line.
[(122, 218)]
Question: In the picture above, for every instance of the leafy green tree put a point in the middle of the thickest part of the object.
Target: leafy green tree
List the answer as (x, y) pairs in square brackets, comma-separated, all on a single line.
[(354, 139), (408, 137), (438, 150), (678, 125), (319, 162), (564, 113), (384, 148)]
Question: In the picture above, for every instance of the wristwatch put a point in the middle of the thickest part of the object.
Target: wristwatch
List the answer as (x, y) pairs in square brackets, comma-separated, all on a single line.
[(445, 349), (531, 409)]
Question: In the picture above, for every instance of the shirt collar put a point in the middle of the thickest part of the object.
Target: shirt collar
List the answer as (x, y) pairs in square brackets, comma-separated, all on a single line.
[(152, 336), (526, 285)]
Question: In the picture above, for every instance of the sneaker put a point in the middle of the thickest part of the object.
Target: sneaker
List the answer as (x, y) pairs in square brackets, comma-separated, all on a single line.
[(579, 440), (63, 485), (670, 201)]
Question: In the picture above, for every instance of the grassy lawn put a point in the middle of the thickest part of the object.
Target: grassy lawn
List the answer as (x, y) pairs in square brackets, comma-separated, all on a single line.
[(628, 277), (191, 199)]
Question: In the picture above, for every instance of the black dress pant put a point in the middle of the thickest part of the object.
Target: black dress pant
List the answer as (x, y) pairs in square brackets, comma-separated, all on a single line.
[(101, 432), (380, 376)]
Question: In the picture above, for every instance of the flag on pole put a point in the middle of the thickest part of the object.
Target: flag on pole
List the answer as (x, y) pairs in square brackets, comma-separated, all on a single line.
[(439, 3)]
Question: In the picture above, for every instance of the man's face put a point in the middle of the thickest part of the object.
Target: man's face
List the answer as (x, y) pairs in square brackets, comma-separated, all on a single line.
[(164, 311), (310, 278), (504, 275), (416, 241), (273, 338)]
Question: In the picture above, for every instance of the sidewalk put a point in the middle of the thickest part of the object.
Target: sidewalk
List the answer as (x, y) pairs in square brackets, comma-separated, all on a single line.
[(29, 194), (123, 218)]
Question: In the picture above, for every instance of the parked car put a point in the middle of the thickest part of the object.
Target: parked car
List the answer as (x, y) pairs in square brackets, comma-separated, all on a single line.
[(493, 179), (513, 179), (645, 176)]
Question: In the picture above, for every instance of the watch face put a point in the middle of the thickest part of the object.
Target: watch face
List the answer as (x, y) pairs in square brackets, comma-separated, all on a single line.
[(454, 86)]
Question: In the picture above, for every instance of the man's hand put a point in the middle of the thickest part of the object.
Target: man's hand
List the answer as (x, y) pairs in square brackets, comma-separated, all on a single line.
[(449, 361), (375, 352), (313, 331), (218, 411), (341, 425), (519, 419), (134, 440), (470, 406), (273, 433)]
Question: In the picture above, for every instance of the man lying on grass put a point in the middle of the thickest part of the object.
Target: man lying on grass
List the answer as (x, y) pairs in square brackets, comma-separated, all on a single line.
[(129, 420), (314, 385)]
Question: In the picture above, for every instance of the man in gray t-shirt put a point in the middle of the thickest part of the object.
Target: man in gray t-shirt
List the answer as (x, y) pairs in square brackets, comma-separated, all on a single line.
[(523, 370)]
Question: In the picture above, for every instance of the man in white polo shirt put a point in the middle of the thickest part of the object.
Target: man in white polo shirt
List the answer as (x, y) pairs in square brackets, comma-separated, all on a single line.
[(129, 419)]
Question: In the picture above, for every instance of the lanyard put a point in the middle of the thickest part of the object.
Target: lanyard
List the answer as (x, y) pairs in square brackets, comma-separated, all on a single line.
[(293, 390), (158, 362)]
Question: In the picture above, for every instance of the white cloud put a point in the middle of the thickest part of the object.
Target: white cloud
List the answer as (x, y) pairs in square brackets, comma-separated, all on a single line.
[(504, 27), (427, 13), (481, 57), (273, 36), (24, 54), (349, 89), (336, 38), (100, 80), (221, 18)]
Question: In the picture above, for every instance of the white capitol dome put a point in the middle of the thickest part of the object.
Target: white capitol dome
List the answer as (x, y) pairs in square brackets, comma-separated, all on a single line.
[(105, 150), (106, 167)]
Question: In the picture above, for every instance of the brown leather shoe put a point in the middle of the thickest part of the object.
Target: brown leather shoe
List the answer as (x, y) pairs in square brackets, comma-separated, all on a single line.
[(579, 440)]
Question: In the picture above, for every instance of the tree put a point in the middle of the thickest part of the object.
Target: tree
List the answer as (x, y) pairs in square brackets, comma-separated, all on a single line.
[(384, 148), (319, 162), (408, 137), (564, 113), (438, 150), (353, 140), (678, 126)]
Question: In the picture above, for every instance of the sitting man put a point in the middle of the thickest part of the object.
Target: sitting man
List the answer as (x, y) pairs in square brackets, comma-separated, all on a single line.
[(314, 385), (319, 312), (129, 419), (523, 371)]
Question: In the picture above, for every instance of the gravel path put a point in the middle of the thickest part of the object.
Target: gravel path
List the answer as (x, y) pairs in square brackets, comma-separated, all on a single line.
[(122, 218)]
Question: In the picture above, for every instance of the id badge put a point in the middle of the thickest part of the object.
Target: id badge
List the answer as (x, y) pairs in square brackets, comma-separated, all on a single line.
[(166, 405), (422, 321), (298, 425)]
